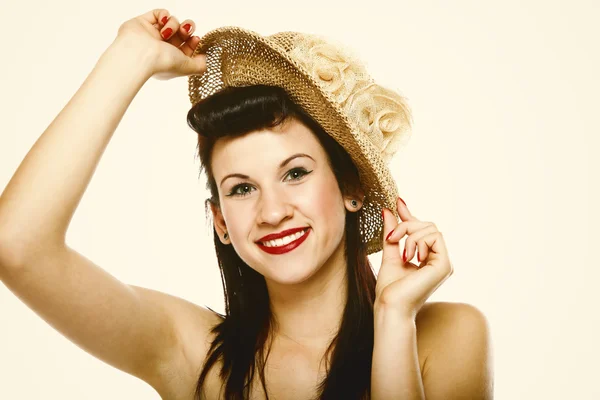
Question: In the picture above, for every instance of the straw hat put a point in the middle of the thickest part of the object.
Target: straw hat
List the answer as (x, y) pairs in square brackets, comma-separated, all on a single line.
[(333, 87)]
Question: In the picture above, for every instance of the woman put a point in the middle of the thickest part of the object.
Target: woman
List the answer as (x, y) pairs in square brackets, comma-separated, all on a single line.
[(296, 212)]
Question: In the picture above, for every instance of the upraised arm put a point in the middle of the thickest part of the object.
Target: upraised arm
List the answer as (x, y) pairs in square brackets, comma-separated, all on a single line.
[(137, 330)]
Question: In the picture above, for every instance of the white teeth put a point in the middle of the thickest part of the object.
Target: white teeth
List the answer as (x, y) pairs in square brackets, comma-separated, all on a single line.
[(283, 241), (288, 239)]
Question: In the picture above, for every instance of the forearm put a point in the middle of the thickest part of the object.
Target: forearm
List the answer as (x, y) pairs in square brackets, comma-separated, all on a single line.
[(39, 201), (396, 373)]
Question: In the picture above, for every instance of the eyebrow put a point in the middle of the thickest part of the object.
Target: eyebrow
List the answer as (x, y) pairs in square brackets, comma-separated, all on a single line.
[(283, 164)]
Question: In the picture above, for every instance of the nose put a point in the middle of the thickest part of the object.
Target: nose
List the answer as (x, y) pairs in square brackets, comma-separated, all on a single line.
[(273, 207)]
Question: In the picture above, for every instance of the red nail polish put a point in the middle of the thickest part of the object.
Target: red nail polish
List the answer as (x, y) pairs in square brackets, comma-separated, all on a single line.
[(164, 20), (404, 256), (187, 27), (389, 234), (167, 33), (402, 200), (419, 257)]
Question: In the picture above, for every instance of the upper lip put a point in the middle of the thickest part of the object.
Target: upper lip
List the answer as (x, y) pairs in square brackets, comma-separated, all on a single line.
[(281, 234)]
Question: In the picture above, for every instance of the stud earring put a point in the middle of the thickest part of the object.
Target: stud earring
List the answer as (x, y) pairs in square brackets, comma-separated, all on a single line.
[(225, 236), (354, 203)]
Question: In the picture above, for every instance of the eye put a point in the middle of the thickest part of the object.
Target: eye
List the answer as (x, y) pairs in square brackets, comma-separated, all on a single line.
[(244, 189), (244, 192), (298, 173)]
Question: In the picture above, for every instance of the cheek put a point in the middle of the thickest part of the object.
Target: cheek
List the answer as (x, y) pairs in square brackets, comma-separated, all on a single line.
[(323, 201), (239, 223)]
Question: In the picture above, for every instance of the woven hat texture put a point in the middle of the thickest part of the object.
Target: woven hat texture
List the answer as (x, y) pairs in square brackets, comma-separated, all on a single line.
[(331, 84)]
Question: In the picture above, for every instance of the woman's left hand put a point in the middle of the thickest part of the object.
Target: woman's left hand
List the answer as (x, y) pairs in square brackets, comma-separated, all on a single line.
[(401, 285)]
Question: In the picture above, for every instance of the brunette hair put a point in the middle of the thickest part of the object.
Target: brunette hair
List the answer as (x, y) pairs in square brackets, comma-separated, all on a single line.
[(241, 336)]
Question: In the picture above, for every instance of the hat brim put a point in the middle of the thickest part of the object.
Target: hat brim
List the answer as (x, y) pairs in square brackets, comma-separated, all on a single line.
[(240, 57)]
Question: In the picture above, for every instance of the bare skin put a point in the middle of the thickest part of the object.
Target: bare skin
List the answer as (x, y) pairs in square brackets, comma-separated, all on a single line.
[(159, 338), (292, 371)]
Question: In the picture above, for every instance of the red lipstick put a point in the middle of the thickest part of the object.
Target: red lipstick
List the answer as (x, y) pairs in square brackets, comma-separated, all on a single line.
[(285, 248), (281, 234)]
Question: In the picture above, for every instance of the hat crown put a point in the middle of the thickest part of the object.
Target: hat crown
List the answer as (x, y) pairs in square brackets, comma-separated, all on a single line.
[(286, 40), (379, 113)]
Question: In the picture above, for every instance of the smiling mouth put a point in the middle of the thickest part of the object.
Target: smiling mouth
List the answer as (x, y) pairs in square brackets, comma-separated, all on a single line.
[(285, 244), (284, 240)]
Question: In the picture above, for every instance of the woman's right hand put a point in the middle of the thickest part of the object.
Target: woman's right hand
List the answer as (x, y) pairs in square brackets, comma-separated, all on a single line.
[(170, 57)]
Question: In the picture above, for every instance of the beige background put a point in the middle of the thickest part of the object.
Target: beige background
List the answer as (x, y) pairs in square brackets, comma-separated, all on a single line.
[(502, 159)]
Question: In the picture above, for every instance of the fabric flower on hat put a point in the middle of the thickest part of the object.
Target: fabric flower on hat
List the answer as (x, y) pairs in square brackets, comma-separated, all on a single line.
[(382, 115), (334, 67)]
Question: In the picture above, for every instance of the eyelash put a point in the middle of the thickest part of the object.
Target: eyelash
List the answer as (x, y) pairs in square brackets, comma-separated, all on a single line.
[(233, 193)]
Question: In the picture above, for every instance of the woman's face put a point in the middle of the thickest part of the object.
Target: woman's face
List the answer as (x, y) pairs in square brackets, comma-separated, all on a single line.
[(270, 181)]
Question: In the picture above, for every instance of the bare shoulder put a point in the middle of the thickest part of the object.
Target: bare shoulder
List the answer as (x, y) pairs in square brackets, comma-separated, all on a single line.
[(443, 312), (455, 351), (440, 323), (192, 324)]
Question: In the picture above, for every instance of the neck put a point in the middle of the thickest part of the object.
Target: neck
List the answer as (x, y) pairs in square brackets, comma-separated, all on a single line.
[(310, 313)]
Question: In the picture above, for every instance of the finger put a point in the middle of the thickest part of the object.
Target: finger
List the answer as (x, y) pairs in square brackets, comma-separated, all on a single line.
[(434, 243), (169, 31), (185, 30), (403, 211), (189, 46), (407, 228), (156, 15), (414, 240), (179, 32), (194, 65), (390, 249), (423, 251)]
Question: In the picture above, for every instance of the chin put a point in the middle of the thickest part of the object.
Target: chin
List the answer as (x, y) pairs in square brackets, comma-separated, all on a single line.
[(296, 267), (287, 270), (289, 274)]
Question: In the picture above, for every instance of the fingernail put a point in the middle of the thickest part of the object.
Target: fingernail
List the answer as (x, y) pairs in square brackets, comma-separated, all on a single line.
[(419, 257), (187, 27), (402, 200), (382, 213), (164, 20), (404, 255), (167, 33), (389, 234)]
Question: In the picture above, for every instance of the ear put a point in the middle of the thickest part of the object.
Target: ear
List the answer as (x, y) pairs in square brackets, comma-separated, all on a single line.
[(357, 198), (219, 222)]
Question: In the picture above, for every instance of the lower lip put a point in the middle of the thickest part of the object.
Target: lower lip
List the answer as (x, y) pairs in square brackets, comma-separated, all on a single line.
[(287, 248)]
